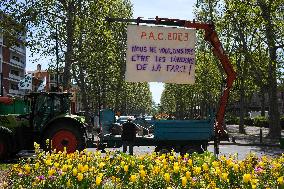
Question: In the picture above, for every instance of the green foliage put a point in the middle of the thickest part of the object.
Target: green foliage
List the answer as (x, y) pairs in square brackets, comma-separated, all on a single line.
[(232, 120), (91, 50), (261, 121)]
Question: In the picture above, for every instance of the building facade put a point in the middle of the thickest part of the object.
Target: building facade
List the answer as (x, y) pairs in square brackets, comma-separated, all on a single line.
[(51, 79), (12, 68)]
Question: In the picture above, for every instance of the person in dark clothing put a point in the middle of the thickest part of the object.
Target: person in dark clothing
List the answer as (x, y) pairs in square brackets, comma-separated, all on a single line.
[(128, 135)]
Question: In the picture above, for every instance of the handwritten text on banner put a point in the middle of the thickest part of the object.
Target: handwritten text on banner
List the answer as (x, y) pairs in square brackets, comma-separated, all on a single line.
[(160, 54)]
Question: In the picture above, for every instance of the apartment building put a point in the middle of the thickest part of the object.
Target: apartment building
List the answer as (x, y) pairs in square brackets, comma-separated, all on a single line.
[(12, 68), (51, 79)]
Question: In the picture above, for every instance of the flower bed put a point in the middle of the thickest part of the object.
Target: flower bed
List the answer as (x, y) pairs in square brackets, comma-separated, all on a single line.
[(117, 170)]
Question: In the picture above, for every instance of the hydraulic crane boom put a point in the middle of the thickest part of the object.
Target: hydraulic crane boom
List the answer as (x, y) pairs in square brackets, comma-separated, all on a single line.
[(212, 37)]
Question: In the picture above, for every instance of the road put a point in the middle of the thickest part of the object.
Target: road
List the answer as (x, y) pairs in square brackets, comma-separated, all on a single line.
[(226, 149)]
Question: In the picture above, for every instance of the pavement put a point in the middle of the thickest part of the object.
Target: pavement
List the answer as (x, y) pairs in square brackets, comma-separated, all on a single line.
[(252, 136)]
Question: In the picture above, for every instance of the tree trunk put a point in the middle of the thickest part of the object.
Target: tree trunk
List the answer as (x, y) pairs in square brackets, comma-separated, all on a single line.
[(69, 49), (262, 101), (274, 116), (242, 109)]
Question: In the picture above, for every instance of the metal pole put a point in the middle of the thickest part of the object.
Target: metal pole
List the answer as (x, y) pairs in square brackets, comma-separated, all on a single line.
[(2, 84), (57, 60)]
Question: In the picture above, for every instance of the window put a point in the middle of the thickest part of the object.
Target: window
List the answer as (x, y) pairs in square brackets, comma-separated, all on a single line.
[(14, 86), (15, 72), (16, 58)]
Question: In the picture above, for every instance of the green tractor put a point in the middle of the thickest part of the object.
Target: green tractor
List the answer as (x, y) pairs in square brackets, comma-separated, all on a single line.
[(48, 117)]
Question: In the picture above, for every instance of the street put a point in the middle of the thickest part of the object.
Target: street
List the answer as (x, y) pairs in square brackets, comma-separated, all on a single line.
[(227, 149)]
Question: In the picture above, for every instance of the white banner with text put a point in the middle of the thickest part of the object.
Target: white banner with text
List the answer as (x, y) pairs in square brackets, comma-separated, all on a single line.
[(160, 54)]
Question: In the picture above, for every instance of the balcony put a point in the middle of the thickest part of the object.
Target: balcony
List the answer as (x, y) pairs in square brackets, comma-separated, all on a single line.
[(16, 92), (14, 77), (16, 63), (19, 49)]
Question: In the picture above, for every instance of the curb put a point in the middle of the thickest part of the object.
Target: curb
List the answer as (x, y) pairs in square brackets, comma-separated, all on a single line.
[(247, 144)]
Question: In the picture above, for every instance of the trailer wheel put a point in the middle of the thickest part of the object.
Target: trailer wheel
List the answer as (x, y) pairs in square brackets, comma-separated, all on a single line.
[(189, 149), (5, 148), (64, 135)]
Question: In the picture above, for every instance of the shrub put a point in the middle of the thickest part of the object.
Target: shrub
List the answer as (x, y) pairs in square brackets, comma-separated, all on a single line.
[(248, 121), (261, 121), (232, 120)]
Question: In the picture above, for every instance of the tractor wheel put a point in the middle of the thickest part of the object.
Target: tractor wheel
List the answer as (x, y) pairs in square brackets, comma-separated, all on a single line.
[(63, 135), (5, 148)]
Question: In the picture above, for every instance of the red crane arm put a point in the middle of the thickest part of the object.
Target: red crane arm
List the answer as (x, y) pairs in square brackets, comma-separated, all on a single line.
[(212, 37)]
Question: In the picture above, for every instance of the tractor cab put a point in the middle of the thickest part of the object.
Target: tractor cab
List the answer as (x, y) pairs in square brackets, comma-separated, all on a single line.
[(46, 106)]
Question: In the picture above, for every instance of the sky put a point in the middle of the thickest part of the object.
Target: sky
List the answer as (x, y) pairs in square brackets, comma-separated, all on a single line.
[(179, 9)]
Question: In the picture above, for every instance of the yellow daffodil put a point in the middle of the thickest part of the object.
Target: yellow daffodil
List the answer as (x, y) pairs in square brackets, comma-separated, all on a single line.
[(141, 167), (187, 174), (142, 174), (197, 170), (246, 178), (80, 176), (132, 178), (122, 163), (167, 177), (48, 162), (205, 167), (64, 168), (51, 172), (280, 180), (189, 162), (125, 168), (80, 168), (236, 167), (215, 164), (98, 180), (176, 169), (36, 166), (85, 168), (183, 181), (101, 165), (75, 172), (224, 176), (165, 161), (56, 164), (27, 168), (68, 183)]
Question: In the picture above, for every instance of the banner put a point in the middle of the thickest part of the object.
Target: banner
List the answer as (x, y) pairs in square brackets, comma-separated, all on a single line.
[(160, 54), (26, 83)]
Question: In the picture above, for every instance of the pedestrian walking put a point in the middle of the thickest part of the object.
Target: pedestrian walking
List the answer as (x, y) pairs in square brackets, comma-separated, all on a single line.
[(128, 135)]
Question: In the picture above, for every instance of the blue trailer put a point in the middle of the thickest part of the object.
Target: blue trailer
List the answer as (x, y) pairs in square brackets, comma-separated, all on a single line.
[(184, 136)]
